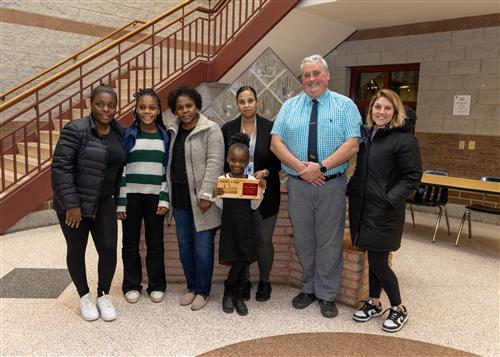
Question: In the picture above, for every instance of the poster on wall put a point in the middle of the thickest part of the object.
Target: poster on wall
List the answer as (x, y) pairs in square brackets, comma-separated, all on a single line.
[(461, 104)]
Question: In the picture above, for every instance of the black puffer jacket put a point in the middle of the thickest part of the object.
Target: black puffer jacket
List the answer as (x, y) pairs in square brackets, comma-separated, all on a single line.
[(388, 169), (78, 166)]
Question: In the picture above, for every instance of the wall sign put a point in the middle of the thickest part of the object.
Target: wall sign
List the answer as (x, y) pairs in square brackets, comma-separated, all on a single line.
[(461, 104)]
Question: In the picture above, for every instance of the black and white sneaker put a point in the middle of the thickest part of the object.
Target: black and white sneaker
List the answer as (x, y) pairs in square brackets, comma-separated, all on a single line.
[(397, 318), (367, 311)]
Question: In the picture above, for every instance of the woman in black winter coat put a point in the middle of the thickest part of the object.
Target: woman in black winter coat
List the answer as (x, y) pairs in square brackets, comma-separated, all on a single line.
[(388, 169), (86, 169)]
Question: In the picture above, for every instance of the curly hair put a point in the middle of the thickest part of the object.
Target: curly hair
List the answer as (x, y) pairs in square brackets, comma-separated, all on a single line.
[(184, 91), (239, 141)]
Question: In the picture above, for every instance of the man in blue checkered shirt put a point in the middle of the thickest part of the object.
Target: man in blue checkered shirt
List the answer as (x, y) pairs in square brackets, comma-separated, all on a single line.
[(315, 164)]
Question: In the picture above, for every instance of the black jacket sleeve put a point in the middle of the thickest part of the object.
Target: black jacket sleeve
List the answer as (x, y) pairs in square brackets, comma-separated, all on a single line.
[(410, 170), (63, 167)]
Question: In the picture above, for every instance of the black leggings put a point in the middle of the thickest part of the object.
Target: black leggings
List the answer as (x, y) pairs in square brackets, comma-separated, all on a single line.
[(236, 276), (382, 277), (104, 233)]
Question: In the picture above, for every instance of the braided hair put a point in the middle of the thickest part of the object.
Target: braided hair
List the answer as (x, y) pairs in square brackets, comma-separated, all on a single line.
[(149, 92), (239, 141)]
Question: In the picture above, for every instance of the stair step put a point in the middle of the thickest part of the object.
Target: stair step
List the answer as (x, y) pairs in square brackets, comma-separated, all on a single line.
[(45, 135), (134, 86), (9, 177), (144, 72), (80, 113), (33, 150), (56, 123), (20, 163)]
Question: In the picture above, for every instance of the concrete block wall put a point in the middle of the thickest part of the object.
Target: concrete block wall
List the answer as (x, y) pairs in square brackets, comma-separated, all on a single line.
[(451, 62), (38, 34)]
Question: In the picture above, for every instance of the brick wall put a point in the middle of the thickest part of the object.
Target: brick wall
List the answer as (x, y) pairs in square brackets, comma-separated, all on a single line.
[(286, 267)]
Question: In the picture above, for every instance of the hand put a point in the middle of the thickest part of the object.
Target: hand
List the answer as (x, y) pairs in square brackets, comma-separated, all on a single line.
[(217, 191), (204, 205), (121, 215), (263, 183), (161, 210), (73, 217), (261, 174), (312, 174)]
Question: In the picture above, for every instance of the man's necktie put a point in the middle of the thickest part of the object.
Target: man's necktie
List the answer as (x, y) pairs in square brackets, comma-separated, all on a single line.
[(312, 144)]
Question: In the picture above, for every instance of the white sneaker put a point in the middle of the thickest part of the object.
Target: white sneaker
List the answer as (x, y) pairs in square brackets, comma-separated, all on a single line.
[(105, 306), (396, 320), (87, 308), (157, 296), (132, 296)]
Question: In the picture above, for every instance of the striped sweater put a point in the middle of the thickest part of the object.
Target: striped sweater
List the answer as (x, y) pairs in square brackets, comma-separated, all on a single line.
[(144, 171)]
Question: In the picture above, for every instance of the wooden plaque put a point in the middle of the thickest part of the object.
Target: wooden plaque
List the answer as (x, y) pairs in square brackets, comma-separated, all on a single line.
[(247, 189)]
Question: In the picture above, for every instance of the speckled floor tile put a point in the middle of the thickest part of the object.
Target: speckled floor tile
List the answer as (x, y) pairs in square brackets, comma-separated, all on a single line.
[(45, 327), (5, 267), (452, 294)]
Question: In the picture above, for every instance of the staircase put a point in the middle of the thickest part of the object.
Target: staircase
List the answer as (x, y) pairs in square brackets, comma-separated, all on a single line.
[(183, 45)]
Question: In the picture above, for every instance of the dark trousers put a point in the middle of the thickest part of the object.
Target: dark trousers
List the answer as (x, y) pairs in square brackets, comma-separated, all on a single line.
[(237, 274), (104, 233), (264, 229), (143, 207), (381, 276)]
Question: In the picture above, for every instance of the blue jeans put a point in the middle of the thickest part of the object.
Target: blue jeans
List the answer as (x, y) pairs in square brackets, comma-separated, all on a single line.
[(197, 252)]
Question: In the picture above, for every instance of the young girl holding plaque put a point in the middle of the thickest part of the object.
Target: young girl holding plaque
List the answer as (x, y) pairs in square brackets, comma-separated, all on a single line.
[(236, 244)]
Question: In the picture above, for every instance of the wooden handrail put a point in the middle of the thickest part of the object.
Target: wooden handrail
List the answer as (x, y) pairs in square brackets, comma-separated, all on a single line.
[(73, 56), (87, 59)]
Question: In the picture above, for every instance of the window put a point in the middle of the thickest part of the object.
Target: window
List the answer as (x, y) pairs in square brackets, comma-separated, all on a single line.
[(366, 81)]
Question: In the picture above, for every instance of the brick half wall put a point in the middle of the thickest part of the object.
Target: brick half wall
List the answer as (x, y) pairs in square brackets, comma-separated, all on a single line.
[(441, 151), (286, 267)]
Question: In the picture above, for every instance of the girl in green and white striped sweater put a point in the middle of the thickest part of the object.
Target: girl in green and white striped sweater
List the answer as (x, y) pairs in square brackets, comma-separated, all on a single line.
[(144, 196)]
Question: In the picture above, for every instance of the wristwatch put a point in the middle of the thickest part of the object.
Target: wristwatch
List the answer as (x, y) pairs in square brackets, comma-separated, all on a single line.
[(322, 167)]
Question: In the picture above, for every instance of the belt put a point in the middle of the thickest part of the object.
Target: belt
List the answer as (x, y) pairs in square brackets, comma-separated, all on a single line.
[(327, 178)]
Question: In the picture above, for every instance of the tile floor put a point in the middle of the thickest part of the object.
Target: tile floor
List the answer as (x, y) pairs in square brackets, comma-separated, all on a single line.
[(452, 294)]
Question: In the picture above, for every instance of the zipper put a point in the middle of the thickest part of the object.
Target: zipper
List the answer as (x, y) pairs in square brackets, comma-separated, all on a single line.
[(368, 146), (192, 167), (106, 157), (356, 238), (169, 181)]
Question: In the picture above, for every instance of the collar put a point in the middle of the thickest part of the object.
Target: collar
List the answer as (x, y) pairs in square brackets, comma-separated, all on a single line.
[(324, 97)]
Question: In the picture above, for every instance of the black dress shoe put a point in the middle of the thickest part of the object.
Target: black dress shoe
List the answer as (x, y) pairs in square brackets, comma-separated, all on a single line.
[(303, 300), (263, 291), (328, 308)]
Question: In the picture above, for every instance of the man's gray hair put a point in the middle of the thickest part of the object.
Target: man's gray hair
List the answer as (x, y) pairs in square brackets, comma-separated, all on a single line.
[(314, 59)]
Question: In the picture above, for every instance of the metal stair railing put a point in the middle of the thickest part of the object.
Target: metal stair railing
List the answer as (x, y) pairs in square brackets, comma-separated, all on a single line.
[(150, 56)]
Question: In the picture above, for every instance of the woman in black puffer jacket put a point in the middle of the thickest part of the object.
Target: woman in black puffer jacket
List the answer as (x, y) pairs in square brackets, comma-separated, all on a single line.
[(86, 168), (388, 169)]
